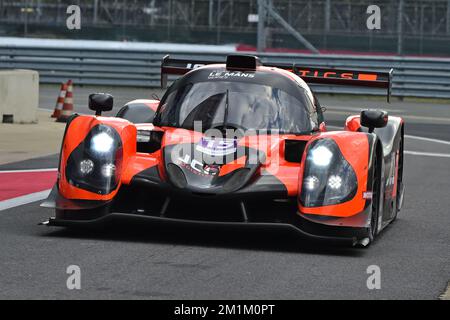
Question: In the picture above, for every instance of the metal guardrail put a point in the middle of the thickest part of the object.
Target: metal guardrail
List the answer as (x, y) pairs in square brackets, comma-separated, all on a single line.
[(413, 77)]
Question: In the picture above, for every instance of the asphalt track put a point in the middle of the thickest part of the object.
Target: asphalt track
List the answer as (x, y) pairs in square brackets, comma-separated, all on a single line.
[(143, 261)]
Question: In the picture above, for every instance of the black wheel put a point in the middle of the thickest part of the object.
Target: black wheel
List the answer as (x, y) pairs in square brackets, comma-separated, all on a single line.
[(399, 180), (376, 180)]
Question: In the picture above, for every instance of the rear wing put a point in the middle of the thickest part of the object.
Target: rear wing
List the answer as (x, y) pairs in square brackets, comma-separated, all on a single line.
[(320, 75)]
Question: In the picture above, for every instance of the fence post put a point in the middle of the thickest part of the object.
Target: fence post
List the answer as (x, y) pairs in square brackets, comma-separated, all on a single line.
[(95, 15), (261, 41), (327, 22), (448, 17), (400, 27)]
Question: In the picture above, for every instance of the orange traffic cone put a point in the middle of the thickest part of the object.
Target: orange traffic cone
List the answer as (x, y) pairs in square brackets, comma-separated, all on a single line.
[(60, 101), (67, 109)]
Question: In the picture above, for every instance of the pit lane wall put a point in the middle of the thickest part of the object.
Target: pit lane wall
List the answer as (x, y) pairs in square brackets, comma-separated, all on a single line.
[(19, 96)]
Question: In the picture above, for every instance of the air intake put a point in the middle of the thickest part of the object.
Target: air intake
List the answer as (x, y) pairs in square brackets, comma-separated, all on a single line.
[(293, 150), (243, 62)]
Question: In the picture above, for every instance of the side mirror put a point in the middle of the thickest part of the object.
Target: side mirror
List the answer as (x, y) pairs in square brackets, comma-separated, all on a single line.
[(374, 119), (100, 102)]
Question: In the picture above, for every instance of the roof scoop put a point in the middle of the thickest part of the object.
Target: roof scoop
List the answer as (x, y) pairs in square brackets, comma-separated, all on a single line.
[(243, 62)]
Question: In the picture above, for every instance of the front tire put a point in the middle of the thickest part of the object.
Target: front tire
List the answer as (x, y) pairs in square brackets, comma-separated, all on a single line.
[(376, 194), (399, 194), (375, 206)]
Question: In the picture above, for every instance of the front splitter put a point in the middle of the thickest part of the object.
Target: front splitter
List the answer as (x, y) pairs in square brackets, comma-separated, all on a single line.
[(347, 240)]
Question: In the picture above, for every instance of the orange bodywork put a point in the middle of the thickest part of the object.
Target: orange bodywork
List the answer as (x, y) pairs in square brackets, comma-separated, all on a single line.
[(77, 131), (353, 123), (355, 149), (276, 164), (233, 165), (138, 163)]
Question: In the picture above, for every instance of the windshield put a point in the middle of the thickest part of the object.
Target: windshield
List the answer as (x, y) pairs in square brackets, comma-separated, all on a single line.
[(240, 105)]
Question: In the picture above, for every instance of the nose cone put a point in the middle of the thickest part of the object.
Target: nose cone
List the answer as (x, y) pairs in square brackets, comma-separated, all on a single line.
[(209, 167)]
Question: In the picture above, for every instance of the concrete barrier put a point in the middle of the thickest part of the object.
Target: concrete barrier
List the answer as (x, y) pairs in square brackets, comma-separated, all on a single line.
[(19, 96)]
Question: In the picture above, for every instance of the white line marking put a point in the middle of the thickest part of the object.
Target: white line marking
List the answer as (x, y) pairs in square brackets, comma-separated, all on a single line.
[(418, 153), (432, 119), (345, 113), (356, 109), (19, 201), (408, 136), (427, 139), (405, 117), (335, 127), (429, 154), (29, 170)]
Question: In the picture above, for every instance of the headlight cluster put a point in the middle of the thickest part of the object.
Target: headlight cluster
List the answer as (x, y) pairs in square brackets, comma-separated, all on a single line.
[(328, 178), (95, 164)]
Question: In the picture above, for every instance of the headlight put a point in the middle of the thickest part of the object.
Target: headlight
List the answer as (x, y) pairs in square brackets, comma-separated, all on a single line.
[(108, 170), (102, 143), (95, 163), (321, 156), (311, 183), (86, 166), (328, 178)]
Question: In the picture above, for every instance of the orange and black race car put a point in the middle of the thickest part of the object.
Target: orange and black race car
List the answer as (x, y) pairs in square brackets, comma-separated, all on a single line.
[(236, 143)]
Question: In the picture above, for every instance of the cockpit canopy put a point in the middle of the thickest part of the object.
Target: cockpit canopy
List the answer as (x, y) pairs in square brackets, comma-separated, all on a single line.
[(215, 97)]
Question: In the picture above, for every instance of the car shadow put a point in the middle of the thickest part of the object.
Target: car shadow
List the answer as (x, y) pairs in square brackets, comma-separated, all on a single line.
[(267, 239)]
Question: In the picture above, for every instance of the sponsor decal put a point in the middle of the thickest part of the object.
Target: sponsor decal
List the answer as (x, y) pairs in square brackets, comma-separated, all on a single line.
[(390, 181), (217, 147), (336, 74), (368, 195), (198, 167), (194, 65), (212, 169), (219, 74)]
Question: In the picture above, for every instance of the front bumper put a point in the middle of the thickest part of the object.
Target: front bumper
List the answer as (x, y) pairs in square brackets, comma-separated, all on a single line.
[(282, 215)]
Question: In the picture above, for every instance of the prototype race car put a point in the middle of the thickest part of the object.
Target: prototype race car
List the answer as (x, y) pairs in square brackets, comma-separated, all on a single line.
[(236, 143)]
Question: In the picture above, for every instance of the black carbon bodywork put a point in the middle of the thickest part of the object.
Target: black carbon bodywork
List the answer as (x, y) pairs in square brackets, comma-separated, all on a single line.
[(136, 113)]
